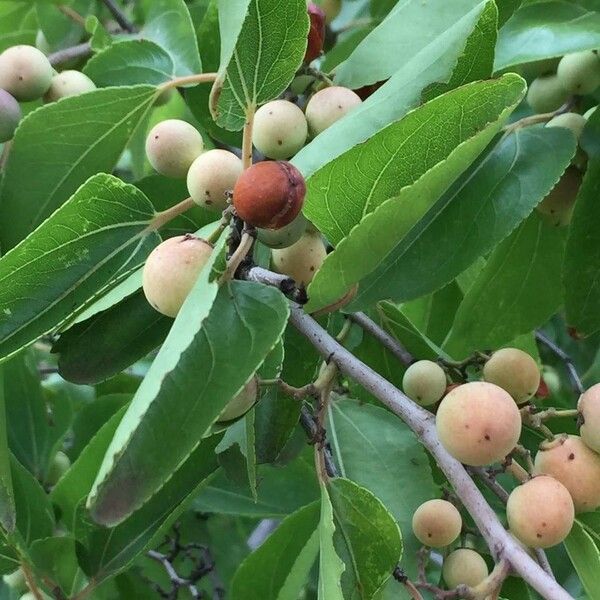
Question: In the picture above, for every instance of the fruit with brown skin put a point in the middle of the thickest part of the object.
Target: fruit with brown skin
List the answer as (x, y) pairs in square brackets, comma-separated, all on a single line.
[(328, 106), (316, 33), (569, 120), (171, 270), (280, 129), (269, 194), (68, 83), (59, 466), (10, 116), (579, 73), (286, 236), (25, 72), (242, 403), (464, 567), (589, 409), (546, 94), (557, 207), (424, 382), (478, 423), (514, 371), (540, 512), (577, 467), (301, 260), (172, 146), (437, 523), (211, 176)]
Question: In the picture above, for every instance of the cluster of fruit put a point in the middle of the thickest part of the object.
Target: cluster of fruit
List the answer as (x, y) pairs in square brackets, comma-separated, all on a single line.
[(479, 423), (26, 75)]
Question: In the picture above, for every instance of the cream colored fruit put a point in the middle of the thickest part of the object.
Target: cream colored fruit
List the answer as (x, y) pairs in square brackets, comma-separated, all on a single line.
[(437, 523), (579, 73), (25, 72), (242, 403), (546, 94), (557, 207), (424, 382), (514, 371), (286, 236), (576, 466), (280, 129), (464, 567), (211, 176), (301, 260), (328, 106), (171, 271), (570, 120), (172, 146), (540, 512), (478, 423), (68, 83), (589, 409)]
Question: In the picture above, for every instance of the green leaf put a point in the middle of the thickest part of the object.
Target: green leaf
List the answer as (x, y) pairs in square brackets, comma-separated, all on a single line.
[(268, 50), (545, 30), (279, 568), (56, 559), (7, 500), (135, 467), (18, 23), (94, 239), (60, 30), (585, 556), (331, 566), (581, 273), (388, 446), (518, 290), (67, 146), (506, 9), (476, 214)]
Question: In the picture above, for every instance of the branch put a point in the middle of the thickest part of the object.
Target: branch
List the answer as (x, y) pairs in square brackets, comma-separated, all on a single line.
[(573, 375), (119, 16), (73, 53)]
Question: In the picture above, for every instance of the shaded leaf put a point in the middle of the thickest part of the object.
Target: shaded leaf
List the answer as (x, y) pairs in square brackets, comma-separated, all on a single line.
[(585, 556), (331, 566)]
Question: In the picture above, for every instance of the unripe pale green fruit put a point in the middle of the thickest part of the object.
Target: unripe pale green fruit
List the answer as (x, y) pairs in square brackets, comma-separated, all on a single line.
[(172, 146), (328, 106), (424, 382), (569, 120), (540, 512), (10, 116), (571, 462), (25, 72), (59, 466), (15, 580), (211, 175), (464, 567), (242, 403), (437, 523), (68, 83), (579, 73), (589, 409), (557, 207), (286, 236), (478, 423), (588, 113), (546, 94), (280, 129), (301, 260), (514, 371), (171, 271)]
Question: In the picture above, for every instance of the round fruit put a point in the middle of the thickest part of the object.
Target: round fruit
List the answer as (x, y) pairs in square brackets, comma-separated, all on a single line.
[(211, 176), (589, 409), (171, 271), (546, 94), (588, 113), (579, 73), (557, 207), (540, 512), (478, 423), (328, 106), (269, 194), (514, 371), (464, 567), (569, 120), (242, 403), (286, 236), (301, 260), (15, 580), (424, 382), (569, 460), (316, 33), (25, 72), (172, 146), (280, 129), (68, 83), (10, 116), (437, 523), (59, 466)]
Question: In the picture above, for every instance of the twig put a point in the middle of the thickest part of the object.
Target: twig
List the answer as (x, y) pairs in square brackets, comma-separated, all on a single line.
[(119, 16), (163, 217), (566, 359), (71, 14), (73, 53), (490, 482), (244, 247), (247, 138), (188, 80), (540, 118), (261, 532), (307, 421), (30, 580)]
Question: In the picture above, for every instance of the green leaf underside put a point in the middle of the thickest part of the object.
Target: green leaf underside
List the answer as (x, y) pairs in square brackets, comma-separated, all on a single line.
[(98, 236), (331, 566)]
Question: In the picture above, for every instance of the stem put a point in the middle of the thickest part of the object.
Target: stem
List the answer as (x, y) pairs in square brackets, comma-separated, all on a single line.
[(188, 80), (247, 138), (490, 482), (518, 472), (73, 53), (163, 217), (494, 580), (71, 14), (33, 588), (238, 256), (308, 424), (568, 362), (119, 16), (541, 118), (412, 590)]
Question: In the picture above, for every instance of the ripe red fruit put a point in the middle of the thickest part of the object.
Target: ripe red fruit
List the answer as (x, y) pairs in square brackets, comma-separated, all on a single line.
[(269, 194), (316, 33)]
